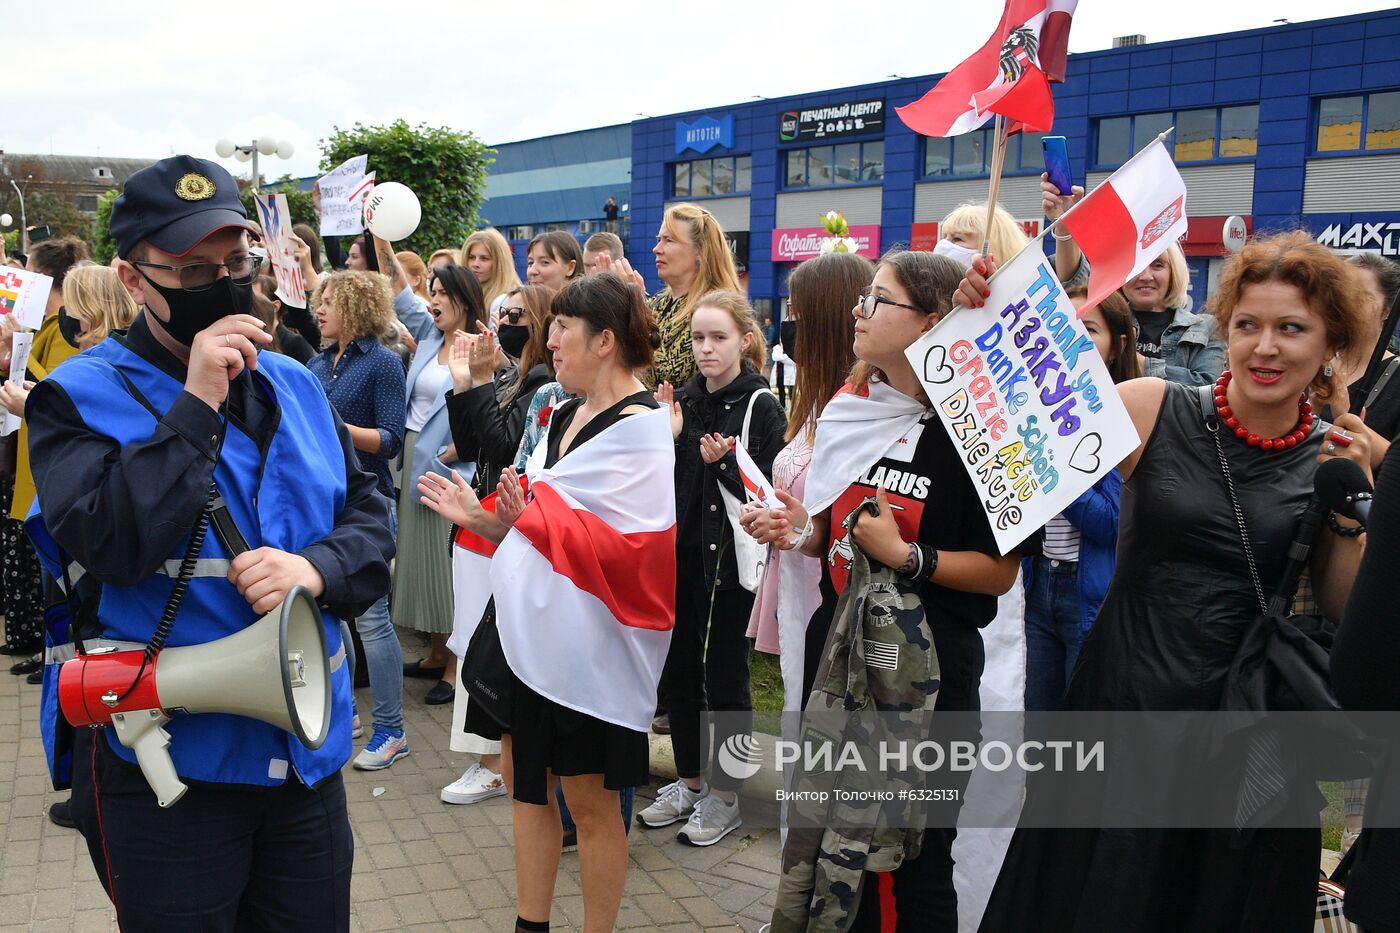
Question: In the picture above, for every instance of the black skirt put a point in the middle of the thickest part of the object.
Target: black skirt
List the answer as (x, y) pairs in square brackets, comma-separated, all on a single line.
[(549, 737)]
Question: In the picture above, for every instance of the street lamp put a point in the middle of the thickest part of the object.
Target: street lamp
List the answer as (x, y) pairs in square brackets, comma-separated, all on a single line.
[(243, 153), (23, 218)]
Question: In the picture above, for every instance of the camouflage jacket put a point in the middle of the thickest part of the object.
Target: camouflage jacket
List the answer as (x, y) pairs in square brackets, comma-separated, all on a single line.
[(879, 659)]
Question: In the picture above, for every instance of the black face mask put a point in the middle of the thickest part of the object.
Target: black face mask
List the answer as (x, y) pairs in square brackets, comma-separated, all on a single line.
[(787, 336), (513, 338), (192, 312), (69, 327)]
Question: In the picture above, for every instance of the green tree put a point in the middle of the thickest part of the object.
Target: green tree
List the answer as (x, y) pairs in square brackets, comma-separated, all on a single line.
[(104, 247), (444, 167)]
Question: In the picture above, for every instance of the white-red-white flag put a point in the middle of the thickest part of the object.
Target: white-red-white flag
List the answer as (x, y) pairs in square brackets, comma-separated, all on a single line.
[(585, 581), (1129, 220), (471, 579), (1032, 38)]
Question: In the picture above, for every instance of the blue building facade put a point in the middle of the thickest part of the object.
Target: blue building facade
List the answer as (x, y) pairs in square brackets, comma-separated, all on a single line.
[(1290, 125)]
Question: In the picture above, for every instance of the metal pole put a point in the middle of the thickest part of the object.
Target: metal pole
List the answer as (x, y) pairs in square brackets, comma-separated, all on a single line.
[(254, 148), (23, 219)]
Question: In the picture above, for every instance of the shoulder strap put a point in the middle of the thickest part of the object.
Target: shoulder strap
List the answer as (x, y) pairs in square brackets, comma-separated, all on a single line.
[(748, 416), (1389, 371)]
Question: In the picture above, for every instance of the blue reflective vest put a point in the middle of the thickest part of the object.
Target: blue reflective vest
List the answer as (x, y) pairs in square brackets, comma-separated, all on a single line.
[(287, 499)]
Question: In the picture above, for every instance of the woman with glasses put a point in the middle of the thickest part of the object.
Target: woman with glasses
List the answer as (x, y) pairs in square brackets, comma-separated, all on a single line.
[(881, 439), (486, 412)]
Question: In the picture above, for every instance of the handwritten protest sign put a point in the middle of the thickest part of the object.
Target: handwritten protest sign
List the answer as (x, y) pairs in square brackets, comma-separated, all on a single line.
[(25, 295), (1025, 397), (19, 362), (342, 196), (277, 230)]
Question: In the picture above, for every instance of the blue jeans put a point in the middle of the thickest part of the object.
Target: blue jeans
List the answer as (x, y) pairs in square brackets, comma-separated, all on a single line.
[(625, 796), (384, 655), (1053, 636)]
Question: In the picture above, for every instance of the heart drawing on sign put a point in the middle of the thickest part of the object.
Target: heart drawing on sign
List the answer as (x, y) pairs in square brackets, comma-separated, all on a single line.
[(1085, 458), (936, 368)]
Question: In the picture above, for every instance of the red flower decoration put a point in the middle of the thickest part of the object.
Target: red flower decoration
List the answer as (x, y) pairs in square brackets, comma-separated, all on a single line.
[(545, 412)]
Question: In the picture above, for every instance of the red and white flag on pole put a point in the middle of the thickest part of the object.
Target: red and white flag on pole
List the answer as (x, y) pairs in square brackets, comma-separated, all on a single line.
[(1009, 74), (585, 581), (1129, 220)]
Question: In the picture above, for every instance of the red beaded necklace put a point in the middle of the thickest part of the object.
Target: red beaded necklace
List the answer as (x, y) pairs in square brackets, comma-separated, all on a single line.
[(1289, 440)]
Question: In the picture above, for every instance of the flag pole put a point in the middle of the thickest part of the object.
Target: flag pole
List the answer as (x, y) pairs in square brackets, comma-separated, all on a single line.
[(998, 160), (1161, 138)]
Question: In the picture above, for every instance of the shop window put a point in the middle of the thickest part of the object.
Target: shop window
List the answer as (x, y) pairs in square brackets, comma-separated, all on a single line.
[(971, 154), (1339, 124), (1383, 121), (938, 156), (717, 177), (1201, 135), (1032, 154), (844, 164)]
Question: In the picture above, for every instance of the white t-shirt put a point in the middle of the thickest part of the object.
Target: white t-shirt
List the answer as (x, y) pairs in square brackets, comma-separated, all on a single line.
[(432, 384)]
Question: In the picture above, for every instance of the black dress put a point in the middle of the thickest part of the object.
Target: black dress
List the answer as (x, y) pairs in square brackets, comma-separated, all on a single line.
[(547, 736), (1175, 613)]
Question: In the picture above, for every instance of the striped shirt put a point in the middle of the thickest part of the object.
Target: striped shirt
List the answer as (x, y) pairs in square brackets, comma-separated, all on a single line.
[(1061, 539)]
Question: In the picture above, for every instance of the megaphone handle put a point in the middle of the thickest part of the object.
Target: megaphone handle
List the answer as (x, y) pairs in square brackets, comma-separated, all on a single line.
[(141, 731)]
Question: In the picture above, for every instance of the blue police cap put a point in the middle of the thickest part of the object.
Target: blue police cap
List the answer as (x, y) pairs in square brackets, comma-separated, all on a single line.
[(175, 204)]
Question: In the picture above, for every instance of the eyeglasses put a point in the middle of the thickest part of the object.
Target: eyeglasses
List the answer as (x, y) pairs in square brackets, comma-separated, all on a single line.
[(198, 276), (513, 315), (870, 301)]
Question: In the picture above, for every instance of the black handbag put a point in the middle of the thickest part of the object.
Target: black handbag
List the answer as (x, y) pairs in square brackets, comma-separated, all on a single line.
[(1282, 665), (486, 676)]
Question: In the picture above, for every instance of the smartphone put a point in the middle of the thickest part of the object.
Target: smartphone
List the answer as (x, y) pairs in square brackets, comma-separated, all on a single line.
[(1057, 163)]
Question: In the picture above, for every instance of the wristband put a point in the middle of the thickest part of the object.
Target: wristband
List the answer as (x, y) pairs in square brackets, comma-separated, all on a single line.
[(912, 563), (802, 537), (930, 562)]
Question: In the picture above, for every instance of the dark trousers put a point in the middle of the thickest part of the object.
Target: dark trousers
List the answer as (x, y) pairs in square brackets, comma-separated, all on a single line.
[(707, 668), (222, 858)]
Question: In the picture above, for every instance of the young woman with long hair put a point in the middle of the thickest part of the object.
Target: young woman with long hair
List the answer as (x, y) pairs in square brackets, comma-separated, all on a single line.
[(487, 254), (822, 292)]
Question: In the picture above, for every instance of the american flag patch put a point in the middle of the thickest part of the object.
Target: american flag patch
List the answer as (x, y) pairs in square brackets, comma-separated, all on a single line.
[(882, 655)]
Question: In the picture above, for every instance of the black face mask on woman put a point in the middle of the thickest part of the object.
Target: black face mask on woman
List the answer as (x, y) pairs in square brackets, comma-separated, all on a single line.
[(192, 312), (513, 339), (69, 327), (787, 336)]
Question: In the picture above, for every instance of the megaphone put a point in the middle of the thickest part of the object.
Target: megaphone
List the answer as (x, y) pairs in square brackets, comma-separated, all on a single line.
[(276, 671)]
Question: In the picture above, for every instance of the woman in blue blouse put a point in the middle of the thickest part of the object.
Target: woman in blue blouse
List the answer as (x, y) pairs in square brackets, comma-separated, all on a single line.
[(365, 383)]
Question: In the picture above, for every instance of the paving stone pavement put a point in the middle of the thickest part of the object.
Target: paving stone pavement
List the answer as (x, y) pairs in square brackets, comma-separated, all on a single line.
[(419, 863)]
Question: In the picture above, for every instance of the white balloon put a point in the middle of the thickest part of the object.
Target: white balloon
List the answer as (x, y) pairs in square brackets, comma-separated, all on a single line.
[(6, 220), (242, 155), (392, 211), (284, 149), (267, 145), (224, 148)]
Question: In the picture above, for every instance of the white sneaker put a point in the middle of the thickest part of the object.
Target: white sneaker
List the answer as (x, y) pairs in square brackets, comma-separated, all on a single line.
[(712, 820), (475, 785), (383, 750), (674, 802), (356, 730)]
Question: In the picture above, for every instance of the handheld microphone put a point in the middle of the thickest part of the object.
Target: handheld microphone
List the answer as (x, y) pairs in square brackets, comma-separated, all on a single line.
[(1342, 486)]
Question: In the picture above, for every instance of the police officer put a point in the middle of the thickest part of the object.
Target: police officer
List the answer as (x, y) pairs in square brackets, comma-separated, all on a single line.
[(125, 442)]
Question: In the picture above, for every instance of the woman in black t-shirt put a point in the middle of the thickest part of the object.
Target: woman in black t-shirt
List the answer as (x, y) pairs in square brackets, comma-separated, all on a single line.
[(879, 437)]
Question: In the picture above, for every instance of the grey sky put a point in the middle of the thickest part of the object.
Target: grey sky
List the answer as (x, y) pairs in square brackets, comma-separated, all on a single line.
[(176, 76)]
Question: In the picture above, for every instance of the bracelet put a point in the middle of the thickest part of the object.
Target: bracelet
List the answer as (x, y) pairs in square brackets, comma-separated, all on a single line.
[(1339, 529), (802, 537), (1056, 236), (930, 561), (912, 564)]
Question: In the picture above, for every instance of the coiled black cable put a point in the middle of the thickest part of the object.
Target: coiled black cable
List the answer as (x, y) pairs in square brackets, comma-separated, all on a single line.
[(177, 596)]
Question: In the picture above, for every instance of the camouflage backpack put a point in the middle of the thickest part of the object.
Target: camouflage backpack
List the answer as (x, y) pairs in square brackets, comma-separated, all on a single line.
[(877, 682)]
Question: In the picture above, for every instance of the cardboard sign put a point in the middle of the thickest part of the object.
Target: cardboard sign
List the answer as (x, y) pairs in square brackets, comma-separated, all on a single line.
[(25, 295), (19, 362), (1025, 397), (342, 197), (277, 231)]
